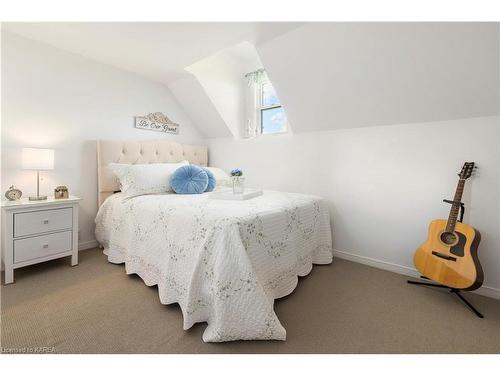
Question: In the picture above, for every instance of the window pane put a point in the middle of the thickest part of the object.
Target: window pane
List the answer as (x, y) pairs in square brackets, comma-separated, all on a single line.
[(269, 96), (273, 120)]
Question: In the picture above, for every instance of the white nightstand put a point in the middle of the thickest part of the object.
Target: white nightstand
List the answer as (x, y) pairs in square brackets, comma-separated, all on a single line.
[(37, 231)]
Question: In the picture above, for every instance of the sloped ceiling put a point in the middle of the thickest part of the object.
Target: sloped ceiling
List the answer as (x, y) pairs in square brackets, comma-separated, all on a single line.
[(159, 51), (222, 77), (344, 75), (199, 108), (327, 75)]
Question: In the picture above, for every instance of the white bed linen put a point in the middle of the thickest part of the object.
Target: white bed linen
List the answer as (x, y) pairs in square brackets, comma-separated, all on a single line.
[(224, 262)]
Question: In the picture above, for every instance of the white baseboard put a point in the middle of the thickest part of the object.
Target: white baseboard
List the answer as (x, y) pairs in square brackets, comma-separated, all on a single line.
[(87, 245), (487, 291)]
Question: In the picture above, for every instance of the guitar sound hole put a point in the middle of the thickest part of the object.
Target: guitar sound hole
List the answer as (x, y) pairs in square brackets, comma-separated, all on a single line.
[(449, 238)]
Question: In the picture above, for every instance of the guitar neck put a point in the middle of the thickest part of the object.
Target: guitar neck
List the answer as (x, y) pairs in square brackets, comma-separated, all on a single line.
[(455, 207)]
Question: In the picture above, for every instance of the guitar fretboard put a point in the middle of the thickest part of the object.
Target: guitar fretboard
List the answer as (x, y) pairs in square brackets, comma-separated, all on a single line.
[(455, 207)]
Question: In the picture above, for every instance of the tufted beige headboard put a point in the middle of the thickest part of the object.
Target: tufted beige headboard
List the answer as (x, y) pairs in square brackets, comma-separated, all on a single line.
[(140, 152)]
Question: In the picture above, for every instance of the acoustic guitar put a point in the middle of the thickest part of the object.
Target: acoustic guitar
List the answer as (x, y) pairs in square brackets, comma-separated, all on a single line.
[(449, 255)]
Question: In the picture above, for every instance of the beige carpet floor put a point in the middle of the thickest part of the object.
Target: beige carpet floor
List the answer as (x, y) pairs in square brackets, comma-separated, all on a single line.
[(340, 308)]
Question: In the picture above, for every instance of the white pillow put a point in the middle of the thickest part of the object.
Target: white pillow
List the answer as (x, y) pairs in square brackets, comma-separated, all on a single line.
[(221, 177), (139, 179)]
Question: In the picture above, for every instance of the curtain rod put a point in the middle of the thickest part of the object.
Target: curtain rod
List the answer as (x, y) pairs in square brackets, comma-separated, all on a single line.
[(255, 72)]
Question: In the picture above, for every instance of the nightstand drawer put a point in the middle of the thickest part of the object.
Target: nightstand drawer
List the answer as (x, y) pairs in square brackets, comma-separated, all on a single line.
[(36, 222), (41, 246)]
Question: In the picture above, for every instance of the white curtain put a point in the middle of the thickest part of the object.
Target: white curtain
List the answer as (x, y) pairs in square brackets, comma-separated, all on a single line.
[(254, 79)]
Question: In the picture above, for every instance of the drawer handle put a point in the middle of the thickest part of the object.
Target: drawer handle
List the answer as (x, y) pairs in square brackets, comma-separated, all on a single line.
[(45, 221), (45, 245)]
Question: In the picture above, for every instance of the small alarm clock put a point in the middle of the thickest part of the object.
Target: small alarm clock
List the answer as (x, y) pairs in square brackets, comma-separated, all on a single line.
[(13, 194)]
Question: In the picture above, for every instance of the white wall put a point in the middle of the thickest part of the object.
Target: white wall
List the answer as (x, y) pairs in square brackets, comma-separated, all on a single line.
[(383, 115), (223, 82), (198, 106), (222, 77), (384, 184), (55, 99)]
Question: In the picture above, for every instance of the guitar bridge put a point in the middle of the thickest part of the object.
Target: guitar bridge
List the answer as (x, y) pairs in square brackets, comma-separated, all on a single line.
[(444, 256)]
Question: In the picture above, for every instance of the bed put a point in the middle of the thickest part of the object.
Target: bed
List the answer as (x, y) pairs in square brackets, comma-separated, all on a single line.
[(224, 262)]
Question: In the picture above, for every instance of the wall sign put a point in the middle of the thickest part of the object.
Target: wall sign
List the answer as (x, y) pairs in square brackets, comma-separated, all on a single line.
[(158, 122)]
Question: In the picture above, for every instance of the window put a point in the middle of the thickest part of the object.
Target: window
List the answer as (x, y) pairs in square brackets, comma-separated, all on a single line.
[(272, 118), (264, 112)]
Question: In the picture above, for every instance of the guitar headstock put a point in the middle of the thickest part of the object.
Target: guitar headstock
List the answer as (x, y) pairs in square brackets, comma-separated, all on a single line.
[(467, 170)]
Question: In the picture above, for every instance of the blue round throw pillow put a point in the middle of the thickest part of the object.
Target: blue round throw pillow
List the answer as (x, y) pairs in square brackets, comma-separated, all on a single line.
[(211, 180), (189, 179)]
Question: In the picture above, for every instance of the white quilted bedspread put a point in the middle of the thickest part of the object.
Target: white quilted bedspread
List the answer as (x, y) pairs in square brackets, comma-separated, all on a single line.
[(224, 262)]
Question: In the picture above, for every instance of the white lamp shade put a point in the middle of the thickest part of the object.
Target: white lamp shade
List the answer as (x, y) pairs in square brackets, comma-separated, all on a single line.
[(38, 158)]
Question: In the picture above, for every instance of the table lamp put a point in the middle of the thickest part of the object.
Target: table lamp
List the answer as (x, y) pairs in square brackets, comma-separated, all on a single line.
[(38, 159)]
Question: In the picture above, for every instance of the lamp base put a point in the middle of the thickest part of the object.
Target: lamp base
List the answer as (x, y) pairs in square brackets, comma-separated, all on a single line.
[(38, 198)]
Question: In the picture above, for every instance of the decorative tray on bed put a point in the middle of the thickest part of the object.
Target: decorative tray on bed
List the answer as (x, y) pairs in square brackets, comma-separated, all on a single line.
[(229, 195)]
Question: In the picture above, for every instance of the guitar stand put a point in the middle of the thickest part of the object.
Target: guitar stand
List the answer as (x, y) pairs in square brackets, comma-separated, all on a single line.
[(452, 290), (462, 208)]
